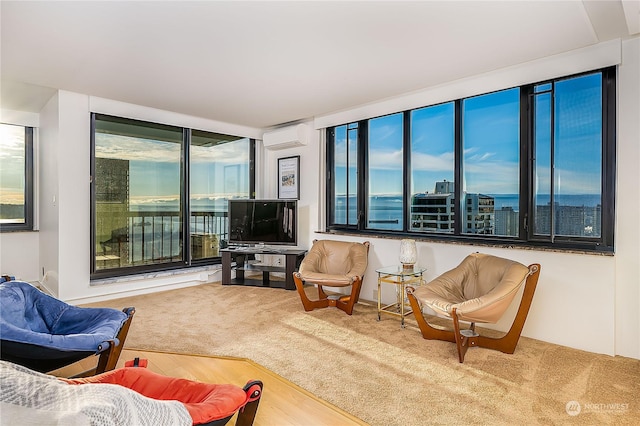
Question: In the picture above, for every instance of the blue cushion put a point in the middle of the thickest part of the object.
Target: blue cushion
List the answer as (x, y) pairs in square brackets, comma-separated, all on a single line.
[(28, 315)]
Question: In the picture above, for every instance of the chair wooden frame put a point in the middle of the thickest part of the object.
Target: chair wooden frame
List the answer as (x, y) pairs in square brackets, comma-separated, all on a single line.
[(466, 338), (109, 357), (342, 302)]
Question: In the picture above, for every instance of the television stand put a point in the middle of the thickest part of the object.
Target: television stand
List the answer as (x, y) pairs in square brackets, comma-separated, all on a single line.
[(244, 258)]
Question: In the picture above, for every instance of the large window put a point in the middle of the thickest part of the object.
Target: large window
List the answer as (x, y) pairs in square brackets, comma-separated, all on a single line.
[(531, 165), (159, 194), (16, 178)]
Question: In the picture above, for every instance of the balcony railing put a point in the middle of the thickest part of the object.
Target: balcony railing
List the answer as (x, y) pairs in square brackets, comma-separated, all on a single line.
[(155, 237)]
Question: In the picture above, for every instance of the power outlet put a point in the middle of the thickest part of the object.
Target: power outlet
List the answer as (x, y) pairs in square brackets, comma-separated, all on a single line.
[(375, 295)]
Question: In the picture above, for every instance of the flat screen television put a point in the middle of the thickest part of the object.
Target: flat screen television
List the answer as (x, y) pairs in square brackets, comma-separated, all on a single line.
[(263, 222)]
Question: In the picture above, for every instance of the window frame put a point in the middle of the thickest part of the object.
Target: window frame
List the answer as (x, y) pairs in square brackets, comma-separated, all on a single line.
[(356, 126), (29, 172), (185, 178), (526, 237)]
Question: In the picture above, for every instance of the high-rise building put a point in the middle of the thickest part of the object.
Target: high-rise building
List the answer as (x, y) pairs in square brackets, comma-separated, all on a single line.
[(112, 212), (507, 221), (583, 221), (434, 212), (478, 215)]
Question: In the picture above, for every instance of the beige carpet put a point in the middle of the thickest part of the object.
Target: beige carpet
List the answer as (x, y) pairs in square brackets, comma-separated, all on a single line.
[(381, 373)]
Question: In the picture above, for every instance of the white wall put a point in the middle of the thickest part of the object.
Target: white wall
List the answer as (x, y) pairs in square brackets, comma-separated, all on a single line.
[(267, 177), (627, 259), (48, 160), (588, 302), (19, 255)]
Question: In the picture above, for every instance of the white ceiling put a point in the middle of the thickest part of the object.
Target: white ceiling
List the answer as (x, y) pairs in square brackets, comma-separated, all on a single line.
[(261, 64)]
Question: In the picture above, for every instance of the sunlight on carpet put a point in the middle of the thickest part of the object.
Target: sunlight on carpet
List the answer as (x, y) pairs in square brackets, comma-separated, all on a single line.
[(377, 371), (375, 352)]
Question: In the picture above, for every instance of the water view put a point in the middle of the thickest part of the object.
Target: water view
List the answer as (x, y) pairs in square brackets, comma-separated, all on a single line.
[(385, 211)]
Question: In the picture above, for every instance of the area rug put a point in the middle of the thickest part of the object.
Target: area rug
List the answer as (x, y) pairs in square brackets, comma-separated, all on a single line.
[(380, 372)]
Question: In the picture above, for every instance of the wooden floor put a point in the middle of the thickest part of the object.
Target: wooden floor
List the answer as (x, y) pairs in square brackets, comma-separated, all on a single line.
[(282, 403)]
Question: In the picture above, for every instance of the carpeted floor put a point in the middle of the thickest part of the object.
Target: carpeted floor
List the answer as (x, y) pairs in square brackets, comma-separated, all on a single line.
[(381, 373)]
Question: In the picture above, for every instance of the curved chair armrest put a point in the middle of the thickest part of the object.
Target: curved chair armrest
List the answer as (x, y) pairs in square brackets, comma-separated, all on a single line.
[(311, 261), (359, 257)]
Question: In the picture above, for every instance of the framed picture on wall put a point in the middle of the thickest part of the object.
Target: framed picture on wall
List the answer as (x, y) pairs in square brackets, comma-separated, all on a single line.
[(289, 178)]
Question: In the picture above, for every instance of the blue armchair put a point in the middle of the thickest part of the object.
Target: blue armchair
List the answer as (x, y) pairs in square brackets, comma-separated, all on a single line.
[(43, 333)]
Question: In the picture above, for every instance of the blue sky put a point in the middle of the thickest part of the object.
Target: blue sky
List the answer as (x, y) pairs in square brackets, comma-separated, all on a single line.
[(490, 137), (578, 145), (491, 128)]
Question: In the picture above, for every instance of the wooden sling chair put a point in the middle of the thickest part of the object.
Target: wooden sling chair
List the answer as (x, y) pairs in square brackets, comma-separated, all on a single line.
[(332, 264), (479, 290)]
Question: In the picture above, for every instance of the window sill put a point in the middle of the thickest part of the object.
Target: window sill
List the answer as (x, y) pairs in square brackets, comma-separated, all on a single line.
[(473, 242), (16, 230), (151, 275)]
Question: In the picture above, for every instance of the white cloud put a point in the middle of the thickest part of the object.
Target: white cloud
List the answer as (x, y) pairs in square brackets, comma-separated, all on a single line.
[(136, 149), (385, 160), (433, 163)]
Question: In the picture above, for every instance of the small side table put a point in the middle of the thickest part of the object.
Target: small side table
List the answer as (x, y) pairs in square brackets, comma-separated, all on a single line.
[(400, 277)]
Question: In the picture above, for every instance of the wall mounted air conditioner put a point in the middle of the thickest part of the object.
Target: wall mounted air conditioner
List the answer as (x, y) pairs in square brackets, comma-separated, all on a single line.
[(286, 137)]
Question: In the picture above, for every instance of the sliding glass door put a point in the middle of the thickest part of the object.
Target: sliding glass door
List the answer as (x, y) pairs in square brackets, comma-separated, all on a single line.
[(138, 213), (160, 194)]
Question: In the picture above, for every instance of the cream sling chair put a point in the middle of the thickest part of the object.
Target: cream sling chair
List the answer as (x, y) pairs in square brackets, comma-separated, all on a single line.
[(332, 264), (479, 290)]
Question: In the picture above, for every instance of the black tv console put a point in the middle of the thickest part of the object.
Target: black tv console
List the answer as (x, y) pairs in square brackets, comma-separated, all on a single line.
[(244, 258)]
